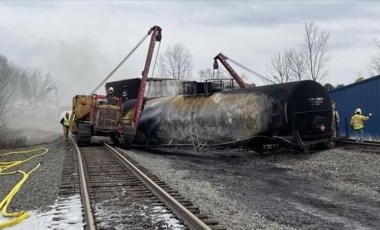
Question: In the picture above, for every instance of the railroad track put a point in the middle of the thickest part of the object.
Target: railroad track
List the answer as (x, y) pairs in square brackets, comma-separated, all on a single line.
[(119, 193), (367, 146)]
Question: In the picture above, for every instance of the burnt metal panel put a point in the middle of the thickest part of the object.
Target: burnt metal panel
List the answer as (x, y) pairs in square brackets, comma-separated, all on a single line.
[(240, 114), (155, 87), (216, 119), (365, 95), (196, 88)]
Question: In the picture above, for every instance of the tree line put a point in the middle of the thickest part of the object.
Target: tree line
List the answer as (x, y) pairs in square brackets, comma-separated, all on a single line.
[(21, 88)]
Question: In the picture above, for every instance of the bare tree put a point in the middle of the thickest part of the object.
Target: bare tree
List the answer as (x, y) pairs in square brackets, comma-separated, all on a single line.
[(208, 73), (176, 62), (6, 72), (374, 63), (315, 48), (35, 86), (280, 69), (297, 64), (205, 74)]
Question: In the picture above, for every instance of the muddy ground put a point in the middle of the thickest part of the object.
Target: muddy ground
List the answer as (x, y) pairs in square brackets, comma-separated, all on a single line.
[(334, 189)]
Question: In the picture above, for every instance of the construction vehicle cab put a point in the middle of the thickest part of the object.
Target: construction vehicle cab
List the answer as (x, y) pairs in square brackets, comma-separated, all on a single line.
[(93, 116)]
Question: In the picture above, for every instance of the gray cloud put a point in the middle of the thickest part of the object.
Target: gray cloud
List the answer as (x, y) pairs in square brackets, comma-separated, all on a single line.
[(256, 13), (83, 41)]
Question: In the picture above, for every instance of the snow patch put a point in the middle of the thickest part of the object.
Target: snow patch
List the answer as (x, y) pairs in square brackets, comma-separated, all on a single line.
[(66, 213)]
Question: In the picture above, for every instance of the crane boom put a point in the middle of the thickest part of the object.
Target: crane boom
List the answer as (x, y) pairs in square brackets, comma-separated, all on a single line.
[(156, 36), (223, 59)]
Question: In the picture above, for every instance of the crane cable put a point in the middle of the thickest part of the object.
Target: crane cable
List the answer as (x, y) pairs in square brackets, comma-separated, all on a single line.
[(154, 66), (251, 71), (21, 215), (122, 62)]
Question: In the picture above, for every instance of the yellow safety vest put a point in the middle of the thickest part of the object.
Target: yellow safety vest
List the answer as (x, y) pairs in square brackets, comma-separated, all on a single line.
[(357, 121), (66, 122)]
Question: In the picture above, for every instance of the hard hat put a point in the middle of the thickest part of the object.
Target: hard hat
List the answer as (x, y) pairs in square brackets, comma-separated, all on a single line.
[(358, 110), (111, 89)]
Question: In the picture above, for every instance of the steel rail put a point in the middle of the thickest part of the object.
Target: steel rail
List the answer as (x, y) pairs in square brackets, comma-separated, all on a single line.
[(183, 213), (367, 143), (90, 222)]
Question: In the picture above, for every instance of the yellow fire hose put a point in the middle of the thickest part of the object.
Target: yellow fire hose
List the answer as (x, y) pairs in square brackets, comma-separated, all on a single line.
[(18, 216)]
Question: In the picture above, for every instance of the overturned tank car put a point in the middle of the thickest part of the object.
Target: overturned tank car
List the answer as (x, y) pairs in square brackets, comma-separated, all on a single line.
[(295, 115)]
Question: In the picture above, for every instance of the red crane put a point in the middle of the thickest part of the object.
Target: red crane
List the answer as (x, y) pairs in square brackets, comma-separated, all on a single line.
[(155, 37), (223, 59)]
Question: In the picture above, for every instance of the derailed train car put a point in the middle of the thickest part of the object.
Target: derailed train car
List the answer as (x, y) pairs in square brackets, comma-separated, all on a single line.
[(296, 115)]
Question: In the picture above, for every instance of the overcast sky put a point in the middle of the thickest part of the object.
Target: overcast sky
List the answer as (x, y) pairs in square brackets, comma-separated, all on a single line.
[(80, 42)]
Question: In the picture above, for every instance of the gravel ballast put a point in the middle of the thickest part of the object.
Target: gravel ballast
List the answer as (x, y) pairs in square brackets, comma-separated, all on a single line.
[(334, 189), (41, 188)]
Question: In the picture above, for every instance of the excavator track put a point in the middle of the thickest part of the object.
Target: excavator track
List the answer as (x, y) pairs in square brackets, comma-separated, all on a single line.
[(128, 136), (84, 134)]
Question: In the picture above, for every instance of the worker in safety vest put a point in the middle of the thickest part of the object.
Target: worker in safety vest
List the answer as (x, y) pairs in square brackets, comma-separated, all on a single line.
[(357, 124), (65, 121)]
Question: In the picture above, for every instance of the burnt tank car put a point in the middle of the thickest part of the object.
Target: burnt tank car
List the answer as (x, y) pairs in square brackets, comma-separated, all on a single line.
[(296, 114)]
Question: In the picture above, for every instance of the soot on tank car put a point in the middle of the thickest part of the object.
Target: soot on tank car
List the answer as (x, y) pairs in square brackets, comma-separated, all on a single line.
[(295, 114)]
